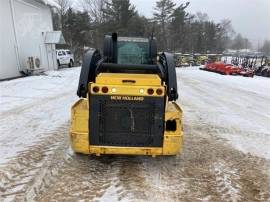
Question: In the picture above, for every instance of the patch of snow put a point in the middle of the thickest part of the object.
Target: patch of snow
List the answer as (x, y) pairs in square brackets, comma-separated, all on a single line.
[(225, 186), (51, 3), (33, 107), (109, 195), (236, 107)]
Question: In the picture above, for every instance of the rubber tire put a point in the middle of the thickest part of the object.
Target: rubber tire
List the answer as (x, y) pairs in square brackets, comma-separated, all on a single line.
[(71, 64)]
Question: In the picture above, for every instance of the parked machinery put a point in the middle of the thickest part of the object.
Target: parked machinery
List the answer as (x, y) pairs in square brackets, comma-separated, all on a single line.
[(187, 60), (238, 66), (127, 101), (264, 68), (199, 59), (183, 60), (211, 58), (177, 59)]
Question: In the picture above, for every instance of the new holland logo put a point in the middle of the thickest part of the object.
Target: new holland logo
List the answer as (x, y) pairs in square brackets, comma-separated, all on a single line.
[(127, 98)]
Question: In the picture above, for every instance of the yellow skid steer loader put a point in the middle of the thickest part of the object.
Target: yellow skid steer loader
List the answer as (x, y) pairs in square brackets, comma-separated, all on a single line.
[(127, 101)]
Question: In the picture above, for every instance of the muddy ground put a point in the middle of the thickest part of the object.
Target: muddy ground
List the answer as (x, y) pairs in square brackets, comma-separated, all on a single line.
[(210, 167)]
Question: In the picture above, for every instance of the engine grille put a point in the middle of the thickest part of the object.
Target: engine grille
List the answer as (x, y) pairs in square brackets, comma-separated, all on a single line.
[(126, 123)]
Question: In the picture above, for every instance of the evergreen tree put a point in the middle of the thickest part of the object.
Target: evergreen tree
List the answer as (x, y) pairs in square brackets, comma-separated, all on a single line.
[(118, 15), (76, 30), (178, 27), (163, 15), (139, 27)]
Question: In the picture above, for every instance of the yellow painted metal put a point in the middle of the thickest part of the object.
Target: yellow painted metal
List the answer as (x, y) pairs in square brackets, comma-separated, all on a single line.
[(173, 140), (79, 127), (79, 137), (127, 85), (79, 134), (127, 79), (126, 90)]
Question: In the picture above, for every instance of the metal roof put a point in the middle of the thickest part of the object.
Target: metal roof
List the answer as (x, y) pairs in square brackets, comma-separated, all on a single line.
[(51, 3), (54, 37), (133, 39)]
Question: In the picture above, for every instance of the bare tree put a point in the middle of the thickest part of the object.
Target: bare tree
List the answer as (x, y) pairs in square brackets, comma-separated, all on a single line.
[(239, 42), (202, 17), (61, 10), (225, 33), (94, 8)]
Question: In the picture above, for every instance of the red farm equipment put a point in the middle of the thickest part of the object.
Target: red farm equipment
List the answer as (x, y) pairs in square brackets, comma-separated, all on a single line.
[(238, 66)]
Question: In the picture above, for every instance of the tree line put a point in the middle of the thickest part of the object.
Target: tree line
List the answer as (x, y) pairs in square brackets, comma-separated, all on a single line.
[(176, 30)]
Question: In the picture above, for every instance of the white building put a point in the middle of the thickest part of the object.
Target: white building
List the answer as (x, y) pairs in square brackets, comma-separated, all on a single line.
[(27, 39)]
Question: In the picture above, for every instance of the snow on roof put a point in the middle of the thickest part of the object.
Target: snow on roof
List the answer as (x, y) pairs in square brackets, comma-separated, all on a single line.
[(50, 3)]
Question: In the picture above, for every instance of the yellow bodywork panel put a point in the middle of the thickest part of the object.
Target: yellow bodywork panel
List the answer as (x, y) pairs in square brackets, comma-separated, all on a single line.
[(79, 126), (173, 140), (128, 79), (79, 136), (115, 90), (127, 84), (126, 87)]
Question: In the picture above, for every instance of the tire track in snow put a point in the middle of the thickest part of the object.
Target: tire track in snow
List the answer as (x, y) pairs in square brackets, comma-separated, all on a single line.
[(22, 171), (225, 178), (49, 171)]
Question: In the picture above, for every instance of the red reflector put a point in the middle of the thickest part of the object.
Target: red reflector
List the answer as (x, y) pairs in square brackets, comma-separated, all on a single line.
[(105, 89), (159, 91), (150, 91), (96, 89)]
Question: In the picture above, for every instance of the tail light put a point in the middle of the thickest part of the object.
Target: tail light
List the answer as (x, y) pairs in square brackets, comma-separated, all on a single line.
[(159, 91), (96, 89), (150, 91), (104, 89)]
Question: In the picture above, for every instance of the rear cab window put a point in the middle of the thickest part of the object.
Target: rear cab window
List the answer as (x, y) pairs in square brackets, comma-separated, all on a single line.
[(132, 50)]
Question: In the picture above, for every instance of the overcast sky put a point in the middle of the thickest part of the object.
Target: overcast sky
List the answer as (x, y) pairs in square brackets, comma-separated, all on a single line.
[(251, 18)]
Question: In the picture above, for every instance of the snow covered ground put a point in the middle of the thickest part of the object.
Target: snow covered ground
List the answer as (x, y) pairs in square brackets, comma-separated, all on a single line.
[(225, 156), (34, 106), (239, 107)]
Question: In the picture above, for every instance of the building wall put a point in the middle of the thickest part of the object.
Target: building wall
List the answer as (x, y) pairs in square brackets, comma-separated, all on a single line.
[(8, 61), (31, 22)]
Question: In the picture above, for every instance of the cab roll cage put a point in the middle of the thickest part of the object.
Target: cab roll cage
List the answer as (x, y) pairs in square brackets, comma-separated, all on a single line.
[(94, 63)]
